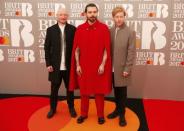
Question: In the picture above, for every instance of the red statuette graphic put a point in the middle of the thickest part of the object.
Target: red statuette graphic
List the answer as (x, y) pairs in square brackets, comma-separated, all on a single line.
[(182, 63), (149, 62), (20, 59), (152, 14), (18, 13), (50, 13)]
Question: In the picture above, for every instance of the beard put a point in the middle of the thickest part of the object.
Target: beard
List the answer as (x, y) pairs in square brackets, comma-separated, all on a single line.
[(92, 19)]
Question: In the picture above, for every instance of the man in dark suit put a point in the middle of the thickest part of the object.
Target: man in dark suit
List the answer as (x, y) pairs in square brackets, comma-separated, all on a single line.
[(58, 48)]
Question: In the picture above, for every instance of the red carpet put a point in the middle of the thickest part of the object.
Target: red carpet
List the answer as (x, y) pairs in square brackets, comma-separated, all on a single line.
[(161, 115), (15, 112), (164, 115)]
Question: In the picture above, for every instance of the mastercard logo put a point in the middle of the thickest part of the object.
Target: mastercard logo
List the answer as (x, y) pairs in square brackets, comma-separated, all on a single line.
[(152, 14), (63, 122), (18, 13), (4, 40), (50, 13)]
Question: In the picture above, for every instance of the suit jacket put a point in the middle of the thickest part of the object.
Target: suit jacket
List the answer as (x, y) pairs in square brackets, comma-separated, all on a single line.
[(123, 53), (53, 47)]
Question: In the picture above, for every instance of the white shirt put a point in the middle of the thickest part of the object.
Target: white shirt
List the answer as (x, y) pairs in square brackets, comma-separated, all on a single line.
[(62, 65)]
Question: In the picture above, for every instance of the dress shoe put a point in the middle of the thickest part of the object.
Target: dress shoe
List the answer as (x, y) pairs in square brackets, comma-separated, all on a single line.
[(113, 115), (72, 112), (101, 120), (122, 121), (81, 119), (51, 113)]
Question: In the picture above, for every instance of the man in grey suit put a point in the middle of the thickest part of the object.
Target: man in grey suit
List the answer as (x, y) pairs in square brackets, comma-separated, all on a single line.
[(123, 48)]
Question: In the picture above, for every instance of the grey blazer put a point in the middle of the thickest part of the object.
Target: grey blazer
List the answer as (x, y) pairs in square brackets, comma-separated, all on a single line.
[(123, 54)]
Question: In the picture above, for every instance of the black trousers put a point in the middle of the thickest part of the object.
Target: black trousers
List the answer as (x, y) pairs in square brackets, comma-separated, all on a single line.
[(120, 94), (64, 75)]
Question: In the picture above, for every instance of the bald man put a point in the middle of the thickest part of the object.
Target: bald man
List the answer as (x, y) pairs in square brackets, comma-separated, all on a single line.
[(58, 48)]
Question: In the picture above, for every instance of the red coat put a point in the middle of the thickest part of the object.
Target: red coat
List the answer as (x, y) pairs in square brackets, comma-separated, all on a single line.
[(92, 40)]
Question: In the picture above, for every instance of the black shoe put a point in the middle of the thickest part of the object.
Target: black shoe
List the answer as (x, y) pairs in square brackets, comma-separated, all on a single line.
[(81, 119), (72, 112), (101, 120), (51, 113), (113, 115), (122, 121)]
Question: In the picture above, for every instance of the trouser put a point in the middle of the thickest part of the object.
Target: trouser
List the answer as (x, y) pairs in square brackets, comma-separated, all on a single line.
[(99, 100), (120, 94), (54, 91)]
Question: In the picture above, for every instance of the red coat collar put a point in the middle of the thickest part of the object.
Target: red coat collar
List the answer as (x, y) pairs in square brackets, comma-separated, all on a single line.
[(93, 26)]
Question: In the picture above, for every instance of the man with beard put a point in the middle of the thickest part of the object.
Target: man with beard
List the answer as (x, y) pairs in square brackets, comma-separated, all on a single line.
[(91, 63)]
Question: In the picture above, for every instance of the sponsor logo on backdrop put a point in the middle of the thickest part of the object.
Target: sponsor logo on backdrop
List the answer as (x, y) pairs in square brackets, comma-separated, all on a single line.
[(16, 33), (49, 9), (21, 33), (177, 44), (108, 7), (153, 35), (152, 10), (146, 17), (18, 9), (20, 55), (77, 10), (178, 10), (150, 40)]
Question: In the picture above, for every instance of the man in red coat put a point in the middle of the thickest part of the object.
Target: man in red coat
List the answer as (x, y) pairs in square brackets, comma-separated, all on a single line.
[(91, 63)]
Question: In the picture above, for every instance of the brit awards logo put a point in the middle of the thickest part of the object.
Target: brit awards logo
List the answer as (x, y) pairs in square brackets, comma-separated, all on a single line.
[(177, 44), (152, 10), (49, 9), (17, 33), (108, 7), (150, 42), (19, 30), (18, 9), (178, 10), (20, 55)]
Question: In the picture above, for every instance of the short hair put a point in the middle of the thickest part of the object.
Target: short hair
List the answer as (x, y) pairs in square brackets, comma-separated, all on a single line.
[(62, 9), (90, 5), (117, 10)]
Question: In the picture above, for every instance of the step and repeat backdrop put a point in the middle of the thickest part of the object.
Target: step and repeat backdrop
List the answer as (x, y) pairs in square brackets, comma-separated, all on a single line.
[(159, 24)]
